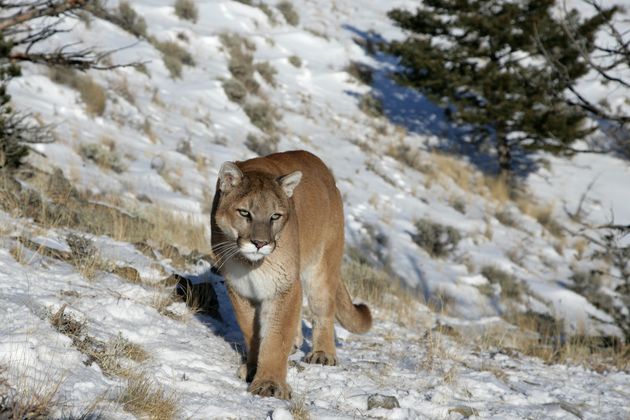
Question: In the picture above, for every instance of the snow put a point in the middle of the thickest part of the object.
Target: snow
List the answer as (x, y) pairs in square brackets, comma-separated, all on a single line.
[(197, 357)]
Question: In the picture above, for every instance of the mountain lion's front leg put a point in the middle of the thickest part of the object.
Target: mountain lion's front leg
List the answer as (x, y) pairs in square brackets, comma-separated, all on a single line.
[(279, 319), (245, 313)]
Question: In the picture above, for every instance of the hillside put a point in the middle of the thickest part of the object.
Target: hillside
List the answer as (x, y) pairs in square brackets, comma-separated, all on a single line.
[(485, 304)]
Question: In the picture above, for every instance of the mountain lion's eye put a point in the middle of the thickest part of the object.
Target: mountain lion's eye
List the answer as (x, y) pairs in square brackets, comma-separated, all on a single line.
[(243, 213), (276, 216)]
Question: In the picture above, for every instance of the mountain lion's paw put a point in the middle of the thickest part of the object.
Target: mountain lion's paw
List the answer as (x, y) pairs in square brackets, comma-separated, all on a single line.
[(270, 388), (321, 358)]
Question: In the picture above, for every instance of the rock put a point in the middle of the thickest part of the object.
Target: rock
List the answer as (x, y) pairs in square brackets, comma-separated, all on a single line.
[(382, 401)]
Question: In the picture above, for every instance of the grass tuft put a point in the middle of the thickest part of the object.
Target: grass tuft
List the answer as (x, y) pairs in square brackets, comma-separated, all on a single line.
[(378, 288), (298, 408), (144, 398), (104, 154), (267, 72), (262, 115), (371, 105), (241, 63), (129, 20), (438, 240), (289, 13), (262, 146), (174, 57), (295, 61), (511, 288), (84, 256), (235, 90), (186, 10), (92, 94)]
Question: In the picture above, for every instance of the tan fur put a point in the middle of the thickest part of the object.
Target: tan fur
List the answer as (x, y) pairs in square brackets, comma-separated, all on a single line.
[(263, 261)]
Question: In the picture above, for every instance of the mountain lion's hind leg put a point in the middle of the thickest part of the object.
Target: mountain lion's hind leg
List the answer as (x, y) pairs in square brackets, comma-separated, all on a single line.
[(321, 301)]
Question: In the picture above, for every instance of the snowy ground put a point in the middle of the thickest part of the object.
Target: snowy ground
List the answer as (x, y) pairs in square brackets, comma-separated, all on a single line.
[(432, 374), (317, 104)]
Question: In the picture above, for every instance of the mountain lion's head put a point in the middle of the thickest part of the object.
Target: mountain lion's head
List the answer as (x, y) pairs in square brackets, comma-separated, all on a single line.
[(252, 211)]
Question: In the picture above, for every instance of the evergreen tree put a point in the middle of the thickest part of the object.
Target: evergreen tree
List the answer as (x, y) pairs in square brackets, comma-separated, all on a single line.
[(11, 149), (27, 23), (485, 60)]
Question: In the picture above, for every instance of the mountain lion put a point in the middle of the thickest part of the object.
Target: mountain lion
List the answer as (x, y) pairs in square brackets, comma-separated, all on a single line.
[(277, 220)]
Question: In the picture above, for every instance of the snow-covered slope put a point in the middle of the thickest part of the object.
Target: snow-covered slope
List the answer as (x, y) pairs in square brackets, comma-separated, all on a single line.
[(168, 137), (432, 371)]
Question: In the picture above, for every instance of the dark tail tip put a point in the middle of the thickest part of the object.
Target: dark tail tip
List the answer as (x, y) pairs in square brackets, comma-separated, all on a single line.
[(364, 321)]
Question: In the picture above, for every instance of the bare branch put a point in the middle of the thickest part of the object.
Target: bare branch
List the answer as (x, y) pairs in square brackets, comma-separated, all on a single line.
[(621, 228), (40, 9)]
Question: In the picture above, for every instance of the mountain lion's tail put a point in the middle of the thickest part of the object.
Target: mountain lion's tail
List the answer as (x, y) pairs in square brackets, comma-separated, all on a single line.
[(354, 318)]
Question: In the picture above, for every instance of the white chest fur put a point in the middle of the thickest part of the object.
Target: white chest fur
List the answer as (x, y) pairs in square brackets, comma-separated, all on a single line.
[(258, 284)]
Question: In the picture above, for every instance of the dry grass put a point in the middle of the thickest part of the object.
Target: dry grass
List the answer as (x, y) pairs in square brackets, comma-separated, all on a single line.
[(121, 347), (235, 90), (437, 357), (511, 288), (17, 252), (174, 57), (543, 336), (103, 153), (371, 105), (262, 146), (84, 256), (267, 72), (263, 115), (361, 72), (109, 356), (27, 402), (141, 396), (505, 215), (438, 240), (162, 299), (187, 10), (122, 88), (72, 209), (92, 94), (144, 398), (170, 228), (380, 290), (458, 203), (298, 408), (266, 9), (497, 188), (147, 128), (295, 61), (542, 213), (288, 11), (441, 168), (129, 20), (173, 178), (241, 63)]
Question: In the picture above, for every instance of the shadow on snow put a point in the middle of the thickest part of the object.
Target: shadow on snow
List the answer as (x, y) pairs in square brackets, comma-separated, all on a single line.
[(412, 110)]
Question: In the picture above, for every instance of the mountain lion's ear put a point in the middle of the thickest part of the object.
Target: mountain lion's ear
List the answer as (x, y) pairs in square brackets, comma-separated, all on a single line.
[(229, 176), (289, 182)]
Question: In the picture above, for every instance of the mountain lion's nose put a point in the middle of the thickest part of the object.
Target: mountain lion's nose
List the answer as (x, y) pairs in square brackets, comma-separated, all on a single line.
[(259, 244)]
